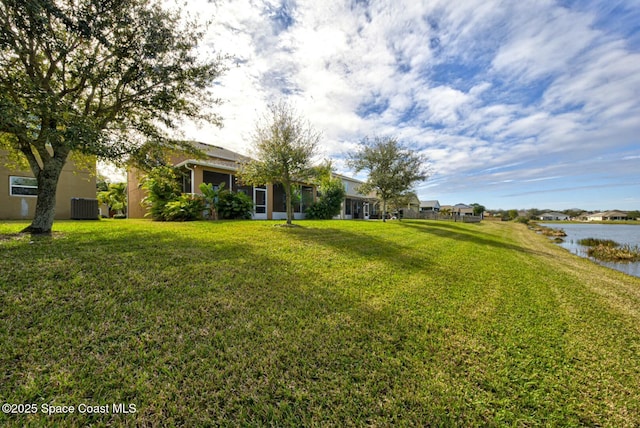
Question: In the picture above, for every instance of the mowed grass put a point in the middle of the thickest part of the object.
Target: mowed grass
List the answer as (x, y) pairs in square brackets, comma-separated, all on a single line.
[(334, 323)]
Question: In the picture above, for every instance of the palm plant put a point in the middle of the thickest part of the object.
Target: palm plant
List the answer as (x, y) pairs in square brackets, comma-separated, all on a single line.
[(115, 197)]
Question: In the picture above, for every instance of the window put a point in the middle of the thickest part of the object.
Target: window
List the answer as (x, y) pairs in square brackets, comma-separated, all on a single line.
[(184, 176), (23, 186)]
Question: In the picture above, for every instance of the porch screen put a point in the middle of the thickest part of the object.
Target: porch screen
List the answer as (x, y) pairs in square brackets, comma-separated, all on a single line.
[(216, 178)]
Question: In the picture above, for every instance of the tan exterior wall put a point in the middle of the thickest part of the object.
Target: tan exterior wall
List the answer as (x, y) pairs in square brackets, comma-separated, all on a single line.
[(73, 183), (219, 160), (135, 194)]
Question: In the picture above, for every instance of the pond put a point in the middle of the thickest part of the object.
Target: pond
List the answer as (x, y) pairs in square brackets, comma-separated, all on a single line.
[(621, 233)]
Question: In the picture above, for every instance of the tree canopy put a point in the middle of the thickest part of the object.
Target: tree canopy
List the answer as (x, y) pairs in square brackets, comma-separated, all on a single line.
[(393, 169), (284, 146), (103, 78)]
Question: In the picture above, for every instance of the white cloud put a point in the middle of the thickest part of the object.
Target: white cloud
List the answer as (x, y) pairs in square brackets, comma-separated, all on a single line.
[(477, 85)]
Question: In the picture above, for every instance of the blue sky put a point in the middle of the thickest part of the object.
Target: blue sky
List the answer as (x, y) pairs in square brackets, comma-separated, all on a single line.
[(517, 104)]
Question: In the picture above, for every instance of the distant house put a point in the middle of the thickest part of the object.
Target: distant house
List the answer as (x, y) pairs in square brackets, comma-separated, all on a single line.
[(462, 209), (553, 216), (411, 209), (19, 189), (433, 206), (607, 216)]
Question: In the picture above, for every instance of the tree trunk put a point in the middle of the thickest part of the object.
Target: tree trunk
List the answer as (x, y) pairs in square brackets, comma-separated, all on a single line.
[(384, 210), (46, 203), (287, 191)]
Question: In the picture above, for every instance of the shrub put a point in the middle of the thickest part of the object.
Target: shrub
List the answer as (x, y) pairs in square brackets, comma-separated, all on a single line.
[(186, 207), (161, 185), (234, 206), (331, 193)]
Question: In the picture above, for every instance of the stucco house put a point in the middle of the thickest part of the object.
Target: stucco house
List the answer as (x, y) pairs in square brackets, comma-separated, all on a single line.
[(553, 216), (458, 209), (607, 216), (433, 206), (221, 166), (355, 204), (18, 190)]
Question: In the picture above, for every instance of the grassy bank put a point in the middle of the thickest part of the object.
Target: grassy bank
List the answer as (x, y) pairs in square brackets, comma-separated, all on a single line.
[(329, 324)]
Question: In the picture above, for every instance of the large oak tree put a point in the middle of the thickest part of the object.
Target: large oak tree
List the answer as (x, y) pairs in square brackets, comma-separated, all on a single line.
[(105, 78)]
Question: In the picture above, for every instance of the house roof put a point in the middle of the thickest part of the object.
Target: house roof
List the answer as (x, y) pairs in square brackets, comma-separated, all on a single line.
[(429, 203), (214, 163), (344, 177), (553, 214), (220, 152), (609, 214), (614, 213)]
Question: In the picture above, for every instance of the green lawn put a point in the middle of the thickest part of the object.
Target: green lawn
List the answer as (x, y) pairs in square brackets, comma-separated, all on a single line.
[(334, 323)]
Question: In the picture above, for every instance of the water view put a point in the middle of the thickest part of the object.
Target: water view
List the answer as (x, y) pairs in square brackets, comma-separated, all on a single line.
[(621, 233)]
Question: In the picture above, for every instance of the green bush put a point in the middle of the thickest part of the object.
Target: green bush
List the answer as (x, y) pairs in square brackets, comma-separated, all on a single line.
[(234, 206), (186, 207), (162, 187), (331, 194)]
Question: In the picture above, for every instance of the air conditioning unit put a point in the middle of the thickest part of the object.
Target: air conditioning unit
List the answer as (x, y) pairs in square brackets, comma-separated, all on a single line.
[(84, 209)]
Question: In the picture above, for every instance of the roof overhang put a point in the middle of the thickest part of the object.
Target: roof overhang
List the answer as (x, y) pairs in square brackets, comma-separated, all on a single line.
[(227, 166)]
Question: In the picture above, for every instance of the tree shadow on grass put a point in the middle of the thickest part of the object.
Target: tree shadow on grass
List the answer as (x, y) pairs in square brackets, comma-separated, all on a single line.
[(217, 332), (364, 246), (455, 232), (238, 323)]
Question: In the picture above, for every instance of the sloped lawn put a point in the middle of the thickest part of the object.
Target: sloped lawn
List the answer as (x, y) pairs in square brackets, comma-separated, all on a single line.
[(334, 323)]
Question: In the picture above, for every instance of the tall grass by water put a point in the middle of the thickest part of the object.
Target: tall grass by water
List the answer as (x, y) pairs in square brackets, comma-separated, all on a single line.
[(609, 250)]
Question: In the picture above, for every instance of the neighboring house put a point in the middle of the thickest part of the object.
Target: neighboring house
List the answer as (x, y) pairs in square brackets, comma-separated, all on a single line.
[(458, 209), (221, 166), (355, 204), (411, 209), (429, 206), (607, 216), (18, 190), (553, 216)]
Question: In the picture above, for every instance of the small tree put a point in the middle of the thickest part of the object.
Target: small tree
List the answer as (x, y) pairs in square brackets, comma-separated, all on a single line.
[(478, 209), (393, 169), (285, 146), (512, 214), (210, 195)]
